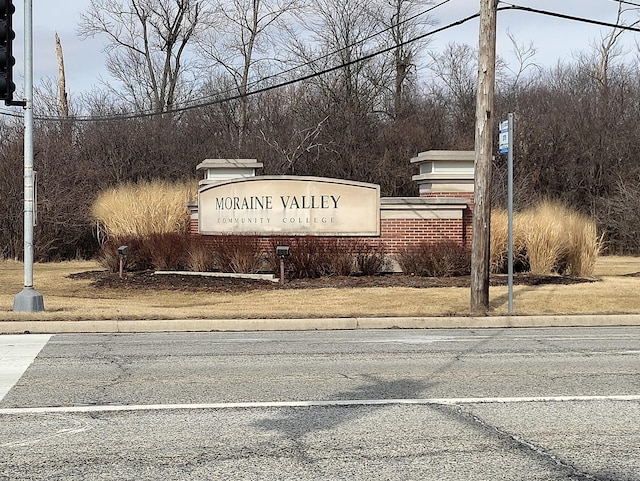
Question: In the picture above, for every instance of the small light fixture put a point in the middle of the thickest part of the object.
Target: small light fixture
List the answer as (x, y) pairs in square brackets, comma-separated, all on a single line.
[(123, 252), (282, 252)]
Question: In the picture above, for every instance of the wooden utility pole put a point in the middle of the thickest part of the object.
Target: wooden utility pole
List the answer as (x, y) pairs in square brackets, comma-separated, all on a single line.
[(62, 86), (483, 152)]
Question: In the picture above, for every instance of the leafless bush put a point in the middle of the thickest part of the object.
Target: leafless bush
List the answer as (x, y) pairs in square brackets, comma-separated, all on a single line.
[(370, 258), (308, 259), (235, 253), (168, 250), (439, 259), (200, 256), (340, 256)]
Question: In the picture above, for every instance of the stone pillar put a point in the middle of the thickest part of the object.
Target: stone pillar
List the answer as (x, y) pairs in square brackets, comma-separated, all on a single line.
[(445, 173)]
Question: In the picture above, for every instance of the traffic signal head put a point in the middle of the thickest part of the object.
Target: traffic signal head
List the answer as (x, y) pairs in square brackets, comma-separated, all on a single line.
[(7, 87)]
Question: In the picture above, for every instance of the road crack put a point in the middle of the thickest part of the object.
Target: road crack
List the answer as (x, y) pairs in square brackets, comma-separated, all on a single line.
[(525, 445)]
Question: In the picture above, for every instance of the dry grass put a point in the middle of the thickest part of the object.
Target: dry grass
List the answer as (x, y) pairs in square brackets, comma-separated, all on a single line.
[(499, 244), (549, 237), (145, 208), (67, 299)]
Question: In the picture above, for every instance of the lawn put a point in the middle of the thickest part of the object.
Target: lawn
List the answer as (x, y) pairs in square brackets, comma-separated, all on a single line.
[(615, 292)]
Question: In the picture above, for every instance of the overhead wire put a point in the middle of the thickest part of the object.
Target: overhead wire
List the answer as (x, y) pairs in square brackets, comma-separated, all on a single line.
[(627, 2), (223, 96), (329, 54), (218, 100), (568, 17)]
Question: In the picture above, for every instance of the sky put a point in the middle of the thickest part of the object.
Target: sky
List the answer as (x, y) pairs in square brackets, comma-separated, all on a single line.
[(555, 39)]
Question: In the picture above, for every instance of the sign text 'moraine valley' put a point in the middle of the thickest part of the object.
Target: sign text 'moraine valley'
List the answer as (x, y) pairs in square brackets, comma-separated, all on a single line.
[(265, 202)]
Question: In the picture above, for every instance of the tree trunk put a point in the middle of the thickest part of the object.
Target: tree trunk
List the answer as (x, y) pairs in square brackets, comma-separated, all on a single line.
[(62, 86)]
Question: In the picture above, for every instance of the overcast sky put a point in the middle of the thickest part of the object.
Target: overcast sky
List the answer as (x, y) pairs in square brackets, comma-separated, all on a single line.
[(554, 38)]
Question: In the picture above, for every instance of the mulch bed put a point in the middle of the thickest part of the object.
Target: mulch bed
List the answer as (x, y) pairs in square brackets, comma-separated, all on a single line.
[(147, 280)]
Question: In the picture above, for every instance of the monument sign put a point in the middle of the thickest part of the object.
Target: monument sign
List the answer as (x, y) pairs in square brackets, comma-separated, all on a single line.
[(289, 205)]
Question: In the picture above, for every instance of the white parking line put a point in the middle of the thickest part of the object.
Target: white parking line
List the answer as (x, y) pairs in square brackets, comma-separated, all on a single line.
[(17, 352), (286, 404)]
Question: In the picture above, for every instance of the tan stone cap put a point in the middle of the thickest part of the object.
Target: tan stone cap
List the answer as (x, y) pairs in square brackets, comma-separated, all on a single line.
[(229, 163), (446, 155)]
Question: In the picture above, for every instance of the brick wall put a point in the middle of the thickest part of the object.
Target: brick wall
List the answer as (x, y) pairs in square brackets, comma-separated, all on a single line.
[(395, 234)]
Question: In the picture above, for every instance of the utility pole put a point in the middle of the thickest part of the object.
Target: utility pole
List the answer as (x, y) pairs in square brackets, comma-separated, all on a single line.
[(483, 153)]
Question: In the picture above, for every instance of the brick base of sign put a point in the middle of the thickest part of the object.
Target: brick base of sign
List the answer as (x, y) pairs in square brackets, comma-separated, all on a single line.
[(404, 223)]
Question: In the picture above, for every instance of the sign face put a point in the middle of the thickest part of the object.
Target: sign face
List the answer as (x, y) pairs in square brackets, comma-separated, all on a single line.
[(289, 205), (503, 140)]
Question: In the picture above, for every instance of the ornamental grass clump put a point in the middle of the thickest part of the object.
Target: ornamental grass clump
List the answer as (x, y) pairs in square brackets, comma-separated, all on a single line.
[(547, 239), (499, 246), (584, 246), (145, 208)]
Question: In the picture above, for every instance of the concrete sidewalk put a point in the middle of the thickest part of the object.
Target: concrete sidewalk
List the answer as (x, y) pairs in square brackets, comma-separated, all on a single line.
[(205, 325)]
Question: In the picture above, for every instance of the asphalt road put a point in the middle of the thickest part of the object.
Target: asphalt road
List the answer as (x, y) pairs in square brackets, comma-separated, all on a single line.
[(498, 404)]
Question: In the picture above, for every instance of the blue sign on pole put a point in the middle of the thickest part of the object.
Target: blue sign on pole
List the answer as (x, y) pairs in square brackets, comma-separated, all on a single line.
[(503, 140)]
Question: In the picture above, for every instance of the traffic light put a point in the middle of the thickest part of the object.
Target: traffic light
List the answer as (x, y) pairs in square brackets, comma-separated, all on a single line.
[(7, 87)]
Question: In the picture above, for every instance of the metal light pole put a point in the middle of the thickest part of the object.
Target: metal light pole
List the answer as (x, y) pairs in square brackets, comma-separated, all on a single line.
[(28, 300)]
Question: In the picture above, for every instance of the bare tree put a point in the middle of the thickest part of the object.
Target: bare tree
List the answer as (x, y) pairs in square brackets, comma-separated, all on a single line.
[(147, 45), (607, 49), (455, 70), (341, 34), (244, 41), (523, 75), (404, 21)]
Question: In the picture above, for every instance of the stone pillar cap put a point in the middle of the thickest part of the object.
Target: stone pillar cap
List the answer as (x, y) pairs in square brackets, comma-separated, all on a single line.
[(447, 155), (229, 163)]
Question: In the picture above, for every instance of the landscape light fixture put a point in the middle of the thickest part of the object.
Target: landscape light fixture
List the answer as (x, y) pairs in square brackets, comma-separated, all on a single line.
[(282, 252), (123, 252)]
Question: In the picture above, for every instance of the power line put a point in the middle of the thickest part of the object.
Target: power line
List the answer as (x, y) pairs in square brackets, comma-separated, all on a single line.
[(230, 98), (627, 3), (569, 17), (219, 96), (218, 100)]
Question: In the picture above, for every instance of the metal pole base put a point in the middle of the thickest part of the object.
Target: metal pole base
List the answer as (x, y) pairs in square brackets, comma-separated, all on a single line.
[(28, 300)]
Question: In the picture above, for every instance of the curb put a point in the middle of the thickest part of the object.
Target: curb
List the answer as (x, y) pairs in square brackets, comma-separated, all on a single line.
[(350, 323)]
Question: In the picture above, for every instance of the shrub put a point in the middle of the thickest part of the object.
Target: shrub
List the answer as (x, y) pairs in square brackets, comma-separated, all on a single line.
[(438, 259), (499, 245), (200, 256), (313, 257), (584, 246), (339, 257), (308, 259), (370, 259), (548, 238), (235, 253), (168, 250)]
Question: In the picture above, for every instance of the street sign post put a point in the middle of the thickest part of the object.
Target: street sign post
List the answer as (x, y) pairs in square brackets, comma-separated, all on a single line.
[(505, 146)]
